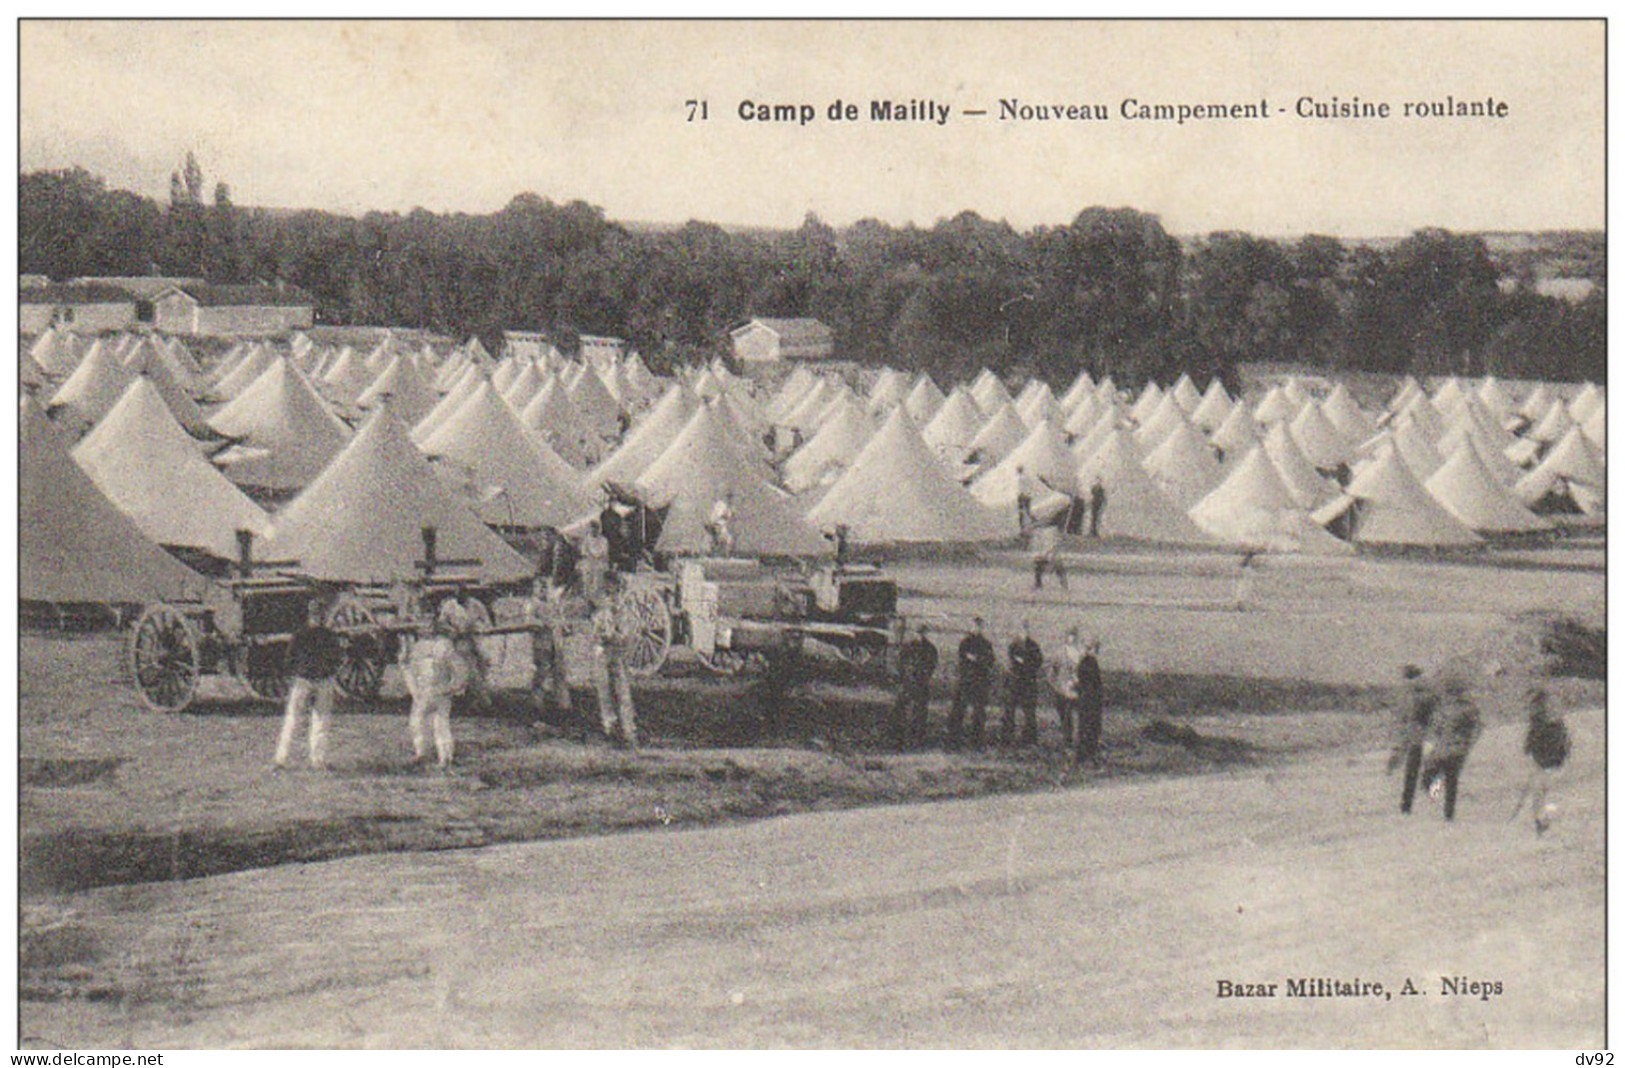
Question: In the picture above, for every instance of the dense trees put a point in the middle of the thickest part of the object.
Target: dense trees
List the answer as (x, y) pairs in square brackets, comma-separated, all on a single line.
[(1111, 291)]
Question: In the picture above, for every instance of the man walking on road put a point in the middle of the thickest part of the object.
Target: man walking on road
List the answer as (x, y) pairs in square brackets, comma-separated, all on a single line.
[(975, 682), (916, 662), (1026, 662), (1416, 715), (1456, 728)]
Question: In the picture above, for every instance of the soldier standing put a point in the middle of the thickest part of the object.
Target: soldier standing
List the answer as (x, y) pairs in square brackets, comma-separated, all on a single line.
[(1547, 743), (611, 677), (1026, 661), (313, 660), (916, 662), (975, 682), (1090, 706)]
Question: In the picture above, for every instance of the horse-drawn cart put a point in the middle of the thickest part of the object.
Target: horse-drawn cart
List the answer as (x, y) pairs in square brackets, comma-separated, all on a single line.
[(244, 624), (732, 613)]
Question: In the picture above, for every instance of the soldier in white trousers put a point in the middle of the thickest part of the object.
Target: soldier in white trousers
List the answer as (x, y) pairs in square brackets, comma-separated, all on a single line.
[(313, 660), (610, 676), (435, 674)]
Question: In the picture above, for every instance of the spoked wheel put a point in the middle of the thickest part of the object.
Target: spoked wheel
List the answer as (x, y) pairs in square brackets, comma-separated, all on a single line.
[(862, 652), (646, 623), (164, 659), (364, 656), (264, 670), (728, 662)]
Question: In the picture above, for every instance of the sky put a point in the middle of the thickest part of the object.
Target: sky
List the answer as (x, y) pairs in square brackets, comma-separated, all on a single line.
[(462, 116)]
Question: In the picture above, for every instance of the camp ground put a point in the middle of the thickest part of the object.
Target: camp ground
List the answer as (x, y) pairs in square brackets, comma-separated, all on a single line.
[(177, 510)]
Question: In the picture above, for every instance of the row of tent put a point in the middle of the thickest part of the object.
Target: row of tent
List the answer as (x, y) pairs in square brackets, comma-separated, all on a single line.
[(366, 450)]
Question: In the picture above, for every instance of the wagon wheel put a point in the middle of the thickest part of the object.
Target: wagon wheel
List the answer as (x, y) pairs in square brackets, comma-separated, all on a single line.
[(164, 659), (363, 653), (264, 670), (646, 623), (862, 651), (726, 662)]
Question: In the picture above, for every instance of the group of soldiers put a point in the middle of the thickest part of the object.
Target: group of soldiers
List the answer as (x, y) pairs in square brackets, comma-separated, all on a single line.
[(1437, 726), (1073, 679)]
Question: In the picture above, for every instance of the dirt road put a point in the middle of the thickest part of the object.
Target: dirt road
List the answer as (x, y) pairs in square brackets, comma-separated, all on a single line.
[(1098, 916)]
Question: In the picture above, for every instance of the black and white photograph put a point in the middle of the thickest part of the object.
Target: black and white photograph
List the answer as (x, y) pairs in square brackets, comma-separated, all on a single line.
[(808, 534)]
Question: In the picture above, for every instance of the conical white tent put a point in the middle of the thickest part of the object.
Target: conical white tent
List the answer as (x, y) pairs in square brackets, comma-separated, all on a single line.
[(1150, 399), (1185, 394), (1596, 426), (924, 400), (1088, 411), (1104, 427), (347, 377), (409, 396), (466, 386), (1082, 386), (248, 367), (1322, 443), (841, 438), (508, 476), (1042, 456), (804, 415), (790, 393), (700, 468), (73, 544), (504, 374), (887, 391), (1237, 433), (1214, 407), (1350, 420), (146, 362), (989, 393), (522, 386), (896, 491), (1573, 470), (54, 351), (362, 520), (1535, 405), (1253, 508), (998, 437), (284, 434), (1585, 402), (148, 466), (1552, 426), (956, 424), (1495, 399), (1386, 505), (1415, 449), (1039, 404), (1298, 475), (90, 392), (551, 415), (1470, 493), (1182, 466), (1428, 419), (1135, 506), (646, 441), (1160, 423), (1276, 407)]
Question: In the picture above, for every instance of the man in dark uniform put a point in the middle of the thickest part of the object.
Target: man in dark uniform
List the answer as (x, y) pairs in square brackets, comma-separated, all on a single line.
[(314, 656), (1456, 727), (1026, 662), (916, 662), (1097, 505), (1090, 705), (975, 682), (1416, 715)]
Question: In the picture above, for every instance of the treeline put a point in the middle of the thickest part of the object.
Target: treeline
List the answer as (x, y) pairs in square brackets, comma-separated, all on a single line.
[(1111, 291)]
